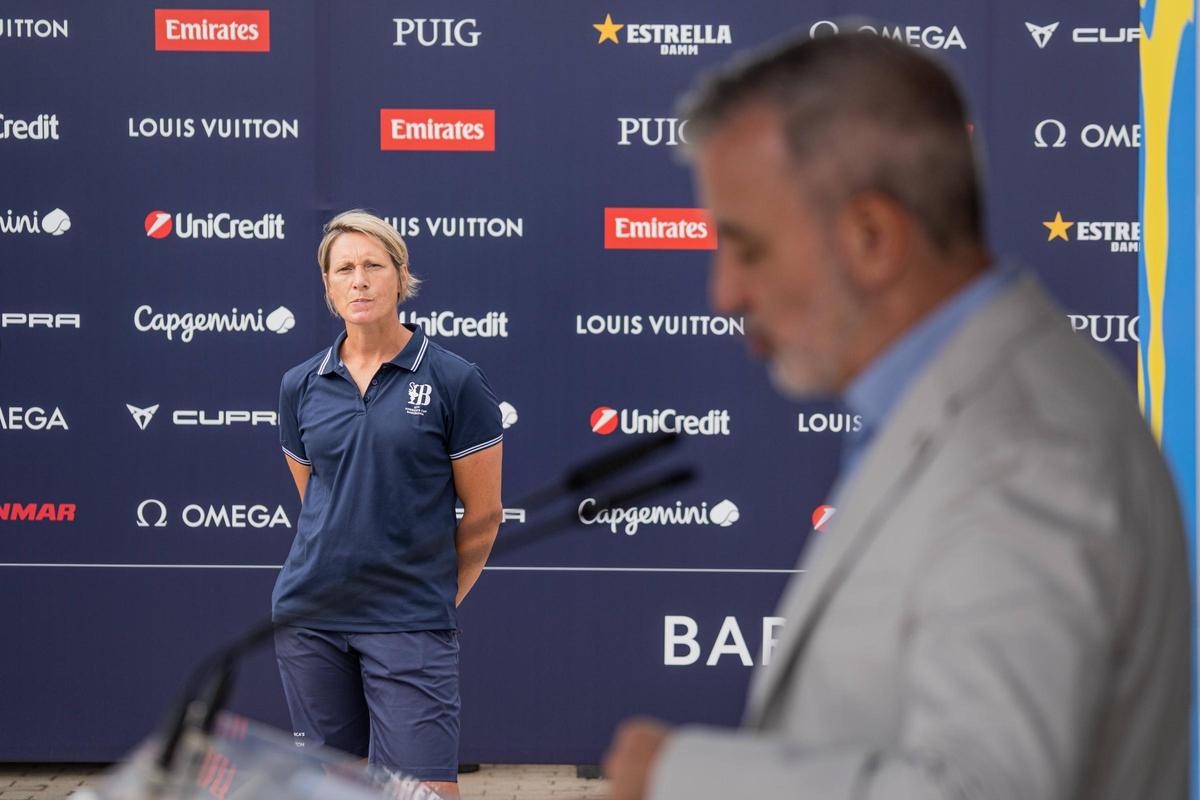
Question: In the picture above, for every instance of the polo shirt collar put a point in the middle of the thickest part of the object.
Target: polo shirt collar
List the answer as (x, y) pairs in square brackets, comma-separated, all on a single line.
[(414, 352), (408, 358)]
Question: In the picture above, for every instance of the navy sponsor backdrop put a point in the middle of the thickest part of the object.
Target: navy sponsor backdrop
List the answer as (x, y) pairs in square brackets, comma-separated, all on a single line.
[(165, 173)]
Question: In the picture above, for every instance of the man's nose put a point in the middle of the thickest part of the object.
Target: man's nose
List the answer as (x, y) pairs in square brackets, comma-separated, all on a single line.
[(724, 289)]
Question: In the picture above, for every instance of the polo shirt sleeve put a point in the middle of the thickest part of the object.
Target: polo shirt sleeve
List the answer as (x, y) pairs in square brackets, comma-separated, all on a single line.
[(289, 426), (475, 417)]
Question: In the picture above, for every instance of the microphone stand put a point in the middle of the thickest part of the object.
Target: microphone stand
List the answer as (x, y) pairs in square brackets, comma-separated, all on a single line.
[(208, 688)]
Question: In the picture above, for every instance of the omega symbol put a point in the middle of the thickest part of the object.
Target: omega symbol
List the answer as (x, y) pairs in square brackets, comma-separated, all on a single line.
[(162, 514)]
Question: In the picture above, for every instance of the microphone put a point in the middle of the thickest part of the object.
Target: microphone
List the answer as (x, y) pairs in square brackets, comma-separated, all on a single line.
[(649, 486), (208, 687), (598, 468)]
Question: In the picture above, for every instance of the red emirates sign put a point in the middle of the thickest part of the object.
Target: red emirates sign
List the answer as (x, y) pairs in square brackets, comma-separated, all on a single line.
[(437, 129), (212, 29), (658, 229)]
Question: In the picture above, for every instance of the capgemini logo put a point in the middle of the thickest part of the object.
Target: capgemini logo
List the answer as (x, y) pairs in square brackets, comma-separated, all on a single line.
[(281, 320), (56, 223), (508, 415), (724, 514)]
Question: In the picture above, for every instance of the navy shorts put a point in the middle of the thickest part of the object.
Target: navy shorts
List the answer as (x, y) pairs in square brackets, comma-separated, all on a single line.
[(391, 698)]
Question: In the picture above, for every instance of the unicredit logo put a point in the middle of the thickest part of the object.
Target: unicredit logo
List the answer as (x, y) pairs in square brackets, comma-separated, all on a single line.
[(658, 229), (215, 30), (437, 129), (821, 516), (158, 225), (605, 420), (219, 225), (493, 324)]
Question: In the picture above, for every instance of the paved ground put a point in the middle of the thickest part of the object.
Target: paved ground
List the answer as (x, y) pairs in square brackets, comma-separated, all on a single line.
[(493, 782)]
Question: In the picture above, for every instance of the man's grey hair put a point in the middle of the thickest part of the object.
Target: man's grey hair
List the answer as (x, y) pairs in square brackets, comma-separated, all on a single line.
[(860, 113)]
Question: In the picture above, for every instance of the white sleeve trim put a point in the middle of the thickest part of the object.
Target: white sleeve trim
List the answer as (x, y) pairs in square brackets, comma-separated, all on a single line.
[(295, 457), (476, 448)]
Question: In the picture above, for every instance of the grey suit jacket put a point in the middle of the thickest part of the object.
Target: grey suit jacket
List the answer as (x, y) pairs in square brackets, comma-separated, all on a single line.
[(999, 611)]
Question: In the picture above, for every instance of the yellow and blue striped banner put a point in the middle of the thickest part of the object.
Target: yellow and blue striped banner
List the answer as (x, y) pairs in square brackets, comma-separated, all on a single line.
[(1167, 285)]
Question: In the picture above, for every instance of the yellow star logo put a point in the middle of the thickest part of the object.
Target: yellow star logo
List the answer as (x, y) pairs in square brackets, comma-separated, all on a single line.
[(608, 30), (1058, 228)]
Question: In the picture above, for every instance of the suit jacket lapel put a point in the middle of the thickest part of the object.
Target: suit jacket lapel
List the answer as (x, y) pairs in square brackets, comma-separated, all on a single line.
[(894, 460)]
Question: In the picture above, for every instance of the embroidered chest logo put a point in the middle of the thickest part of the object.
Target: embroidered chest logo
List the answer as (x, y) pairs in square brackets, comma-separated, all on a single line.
[(419, 396)]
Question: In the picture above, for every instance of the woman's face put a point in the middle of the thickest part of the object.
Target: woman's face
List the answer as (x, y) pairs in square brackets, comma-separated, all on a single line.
[(362, 283)]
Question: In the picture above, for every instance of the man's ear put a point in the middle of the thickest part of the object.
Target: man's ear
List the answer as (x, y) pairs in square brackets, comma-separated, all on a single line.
[(874, 235)]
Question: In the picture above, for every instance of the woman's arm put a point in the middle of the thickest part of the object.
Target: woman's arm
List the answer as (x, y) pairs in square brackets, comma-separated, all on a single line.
[(477, 483), (300, 473)]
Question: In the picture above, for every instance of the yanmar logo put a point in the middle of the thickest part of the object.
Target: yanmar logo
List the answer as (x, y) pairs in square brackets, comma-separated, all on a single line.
[(437, 129), (212, 29), (658, 229), (37, 512)]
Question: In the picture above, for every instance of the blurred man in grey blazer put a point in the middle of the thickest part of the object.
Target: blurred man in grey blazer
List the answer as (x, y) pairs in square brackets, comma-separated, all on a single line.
[(1000, 609)]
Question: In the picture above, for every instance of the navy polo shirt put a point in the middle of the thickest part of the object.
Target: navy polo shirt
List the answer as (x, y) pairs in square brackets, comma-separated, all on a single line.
[(380, 500)]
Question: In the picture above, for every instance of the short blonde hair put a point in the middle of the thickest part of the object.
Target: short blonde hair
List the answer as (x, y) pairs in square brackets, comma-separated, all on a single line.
[(357, 220)]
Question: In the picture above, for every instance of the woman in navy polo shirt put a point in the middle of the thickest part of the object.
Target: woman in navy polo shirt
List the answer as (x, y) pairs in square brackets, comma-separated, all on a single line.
[(382, 431)]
